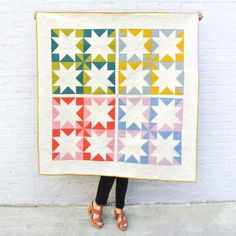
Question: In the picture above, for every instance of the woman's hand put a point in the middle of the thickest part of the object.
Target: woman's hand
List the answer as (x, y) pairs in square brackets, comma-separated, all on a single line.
[(200, 16)]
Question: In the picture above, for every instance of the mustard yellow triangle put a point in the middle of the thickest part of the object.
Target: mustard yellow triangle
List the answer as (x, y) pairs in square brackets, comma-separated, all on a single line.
[(122, 78), (124, 31), (179, 57), (148, 45), (167, 58), (154, 90), (180, 35), (154, 67), (167, 91), (156, 58), (146, 64), (153, 78), (121, 89), (122, 66), (178, 92), (147, 33), (151, 65), (180, 45), (134, 31), (134, 65)]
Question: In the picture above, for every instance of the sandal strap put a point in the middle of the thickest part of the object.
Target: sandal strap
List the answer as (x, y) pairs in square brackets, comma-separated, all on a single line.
[(120, 214), (98, 220), (122, 222), (96, 211)]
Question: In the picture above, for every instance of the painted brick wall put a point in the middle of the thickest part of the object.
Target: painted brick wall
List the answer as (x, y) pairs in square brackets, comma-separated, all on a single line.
[(19, 179)]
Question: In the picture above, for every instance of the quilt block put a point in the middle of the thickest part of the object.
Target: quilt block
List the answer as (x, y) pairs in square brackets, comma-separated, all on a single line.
[(118, 94)]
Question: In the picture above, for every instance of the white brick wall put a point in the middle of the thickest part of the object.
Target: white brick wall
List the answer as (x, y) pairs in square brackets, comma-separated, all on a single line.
[(19, 179)]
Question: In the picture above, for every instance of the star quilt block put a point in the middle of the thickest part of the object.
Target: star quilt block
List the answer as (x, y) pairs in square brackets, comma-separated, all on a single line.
[(144, 136), (151, 61), (83, 128), (83, 61)]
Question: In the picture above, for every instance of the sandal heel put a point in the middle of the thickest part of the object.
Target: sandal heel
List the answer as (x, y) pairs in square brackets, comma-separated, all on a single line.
[(92, 210), (89, 210)]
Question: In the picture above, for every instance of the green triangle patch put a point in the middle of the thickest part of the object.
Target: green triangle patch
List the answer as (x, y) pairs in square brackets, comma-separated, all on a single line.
[(99, 90), (112, 45), (99, 58), (55, 77), (67, 65), (80, 45), (67, 32)]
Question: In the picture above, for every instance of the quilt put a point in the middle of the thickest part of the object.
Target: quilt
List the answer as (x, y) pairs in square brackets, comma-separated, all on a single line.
[(117, 94)]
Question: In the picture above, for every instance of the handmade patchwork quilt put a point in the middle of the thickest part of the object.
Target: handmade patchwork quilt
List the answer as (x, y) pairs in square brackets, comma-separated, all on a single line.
[(118, 94)]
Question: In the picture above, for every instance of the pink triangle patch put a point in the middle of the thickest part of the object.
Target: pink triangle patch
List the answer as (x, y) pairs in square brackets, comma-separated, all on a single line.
[(67, 157), (55, 113), (164, 161), (68, 125), (165, 128), (134, 101), (179, 114)]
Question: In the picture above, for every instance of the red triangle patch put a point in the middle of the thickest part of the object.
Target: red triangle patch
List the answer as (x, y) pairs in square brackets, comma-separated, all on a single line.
[(98, 158), (55, 144), (99, 126), (67, 131), (85, 145), (68, 100)]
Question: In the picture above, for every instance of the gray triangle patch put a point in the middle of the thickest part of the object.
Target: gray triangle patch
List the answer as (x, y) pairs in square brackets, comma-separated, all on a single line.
[(167, 32)]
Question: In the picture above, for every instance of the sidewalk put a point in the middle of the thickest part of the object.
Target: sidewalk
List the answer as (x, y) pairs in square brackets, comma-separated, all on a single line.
[(144, 220)]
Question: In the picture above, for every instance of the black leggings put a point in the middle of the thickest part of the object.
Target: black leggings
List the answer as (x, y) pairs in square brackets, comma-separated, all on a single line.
[(104, 188)]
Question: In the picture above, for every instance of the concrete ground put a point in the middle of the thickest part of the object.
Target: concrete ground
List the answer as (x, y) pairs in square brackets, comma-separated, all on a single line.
[(164, 220)]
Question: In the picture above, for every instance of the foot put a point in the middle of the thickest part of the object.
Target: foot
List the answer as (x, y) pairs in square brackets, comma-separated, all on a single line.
[(121, 218), (95, 215)]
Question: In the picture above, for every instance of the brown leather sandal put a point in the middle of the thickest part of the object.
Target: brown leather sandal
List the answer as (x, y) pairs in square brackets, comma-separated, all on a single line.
[(95, 221), (122, 221)]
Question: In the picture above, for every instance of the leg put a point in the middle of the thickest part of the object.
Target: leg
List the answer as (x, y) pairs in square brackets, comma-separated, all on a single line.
[(104, 188), (121, 188)]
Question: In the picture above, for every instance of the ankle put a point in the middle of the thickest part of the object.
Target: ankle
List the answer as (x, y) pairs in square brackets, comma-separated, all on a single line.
[(96, 204), (118, 209)]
